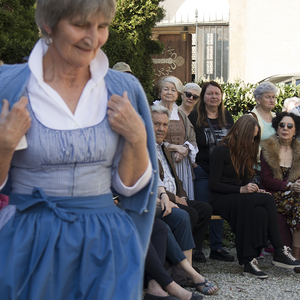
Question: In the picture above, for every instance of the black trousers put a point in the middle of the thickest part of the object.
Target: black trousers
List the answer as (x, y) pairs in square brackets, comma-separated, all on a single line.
[(200, 214), (155, 259)]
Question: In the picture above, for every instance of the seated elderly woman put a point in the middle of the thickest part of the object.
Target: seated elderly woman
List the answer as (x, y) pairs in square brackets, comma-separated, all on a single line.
[(280, 171), (250, 211)]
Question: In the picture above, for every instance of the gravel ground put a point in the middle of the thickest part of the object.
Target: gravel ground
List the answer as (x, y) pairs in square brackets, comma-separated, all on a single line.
[(281, 284)]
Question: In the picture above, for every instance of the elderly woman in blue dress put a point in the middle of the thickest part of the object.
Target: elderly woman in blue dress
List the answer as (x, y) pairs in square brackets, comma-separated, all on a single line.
[(62, 237)]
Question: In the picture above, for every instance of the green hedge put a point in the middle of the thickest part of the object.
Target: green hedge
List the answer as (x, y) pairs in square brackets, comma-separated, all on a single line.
[(238, 96)]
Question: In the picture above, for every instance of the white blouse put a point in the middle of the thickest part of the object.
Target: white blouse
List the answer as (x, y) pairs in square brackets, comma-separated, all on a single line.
[(48, 105)]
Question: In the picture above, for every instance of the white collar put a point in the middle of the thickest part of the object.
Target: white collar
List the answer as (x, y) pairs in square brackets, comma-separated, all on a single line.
[(98, 66)]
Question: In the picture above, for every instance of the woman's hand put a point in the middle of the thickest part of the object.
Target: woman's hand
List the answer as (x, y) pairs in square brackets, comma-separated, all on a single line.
[(184, 151), (181, 201), (13, 124), (166, 205), (178, 157), (249, 188), (263, 192), (123, 119), (296, 186)]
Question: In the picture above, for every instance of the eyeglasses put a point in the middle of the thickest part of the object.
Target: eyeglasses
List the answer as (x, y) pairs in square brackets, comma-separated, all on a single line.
[(189, 95), (289, 125)]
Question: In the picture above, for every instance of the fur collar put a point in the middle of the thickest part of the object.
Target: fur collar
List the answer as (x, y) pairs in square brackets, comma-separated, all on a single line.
[(270, 150)]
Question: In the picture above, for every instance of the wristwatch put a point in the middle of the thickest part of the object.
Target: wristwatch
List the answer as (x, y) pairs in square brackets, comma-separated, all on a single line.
[(162, 194)]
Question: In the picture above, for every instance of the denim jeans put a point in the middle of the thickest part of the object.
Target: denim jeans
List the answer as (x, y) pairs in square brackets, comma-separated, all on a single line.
[(202, 194)]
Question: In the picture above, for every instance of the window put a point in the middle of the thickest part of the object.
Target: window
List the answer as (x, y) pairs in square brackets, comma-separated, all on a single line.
[(211, 56)]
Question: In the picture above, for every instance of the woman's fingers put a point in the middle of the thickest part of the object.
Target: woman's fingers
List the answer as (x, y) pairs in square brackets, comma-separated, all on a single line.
[(183, 150), (5, 109), (124, 119), (14, 123)]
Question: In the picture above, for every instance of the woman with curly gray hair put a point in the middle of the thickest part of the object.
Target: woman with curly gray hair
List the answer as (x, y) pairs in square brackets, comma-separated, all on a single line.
[(265, 97)]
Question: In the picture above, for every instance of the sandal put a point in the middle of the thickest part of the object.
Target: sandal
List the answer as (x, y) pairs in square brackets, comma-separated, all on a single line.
[(207, 286)]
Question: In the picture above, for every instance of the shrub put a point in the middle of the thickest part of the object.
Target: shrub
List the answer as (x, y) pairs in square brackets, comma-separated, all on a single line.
[(18, 31), (238, 96), (130, 38)]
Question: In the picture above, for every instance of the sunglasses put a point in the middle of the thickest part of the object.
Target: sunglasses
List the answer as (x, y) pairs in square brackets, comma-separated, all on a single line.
[(289, 125), (190, 95)]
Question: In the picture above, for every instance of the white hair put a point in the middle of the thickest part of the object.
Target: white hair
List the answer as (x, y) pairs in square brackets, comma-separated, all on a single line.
[(288, 101), (192, 86), (160, 110), (177, 82), (264, 87)]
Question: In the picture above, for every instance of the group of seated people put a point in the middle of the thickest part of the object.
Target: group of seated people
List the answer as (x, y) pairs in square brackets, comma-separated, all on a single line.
[(246, 172), (249, 207)]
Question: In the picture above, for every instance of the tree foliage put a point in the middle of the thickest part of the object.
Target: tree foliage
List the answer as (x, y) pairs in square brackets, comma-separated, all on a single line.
[(130, 38), (130, 35), (18, 31)]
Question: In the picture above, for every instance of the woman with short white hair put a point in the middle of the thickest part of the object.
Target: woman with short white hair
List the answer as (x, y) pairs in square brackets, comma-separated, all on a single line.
[(190, 97), (181, 138), (290, 103)]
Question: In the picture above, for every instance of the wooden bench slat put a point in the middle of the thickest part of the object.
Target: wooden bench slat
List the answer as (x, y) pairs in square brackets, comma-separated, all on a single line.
[(216, 217)]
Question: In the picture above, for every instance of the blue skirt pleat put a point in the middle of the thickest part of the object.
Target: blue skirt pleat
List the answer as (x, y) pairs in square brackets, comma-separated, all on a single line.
[(96, 256)]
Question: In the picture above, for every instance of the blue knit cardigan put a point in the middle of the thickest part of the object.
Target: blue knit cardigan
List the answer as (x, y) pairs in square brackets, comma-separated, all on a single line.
[(141, 206)]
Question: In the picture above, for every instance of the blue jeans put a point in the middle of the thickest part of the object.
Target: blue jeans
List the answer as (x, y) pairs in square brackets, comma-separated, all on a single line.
[(180, 224), (202, 194)]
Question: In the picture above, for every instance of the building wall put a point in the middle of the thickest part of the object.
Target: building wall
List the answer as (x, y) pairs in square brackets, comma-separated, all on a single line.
[(264, 38)]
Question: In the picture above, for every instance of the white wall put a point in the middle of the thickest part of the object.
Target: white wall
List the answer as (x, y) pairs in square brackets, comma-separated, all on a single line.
[(264, 38), (183, 11)]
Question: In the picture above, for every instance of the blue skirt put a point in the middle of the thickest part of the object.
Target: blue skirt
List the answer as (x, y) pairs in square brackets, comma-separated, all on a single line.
[(69, 248)]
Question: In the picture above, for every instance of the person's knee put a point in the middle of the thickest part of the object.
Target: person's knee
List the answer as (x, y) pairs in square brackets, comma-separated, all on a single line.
[(160, 227), (203, 209), (184, 216), (260, 212), (178, 217), (207, 209)]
